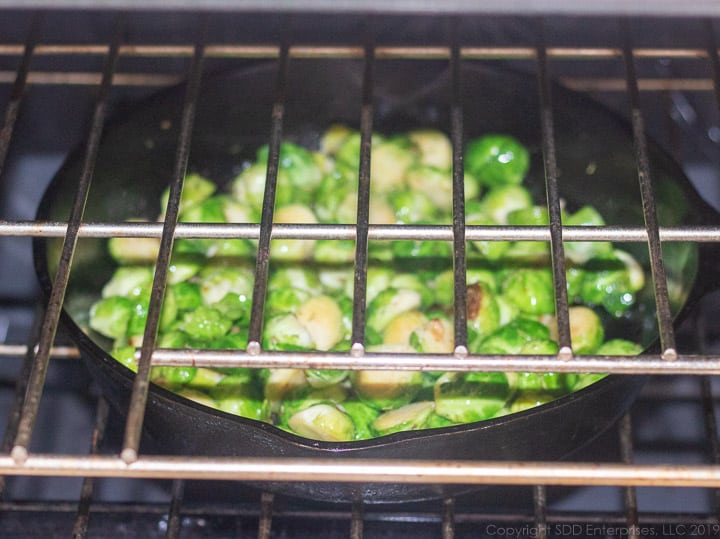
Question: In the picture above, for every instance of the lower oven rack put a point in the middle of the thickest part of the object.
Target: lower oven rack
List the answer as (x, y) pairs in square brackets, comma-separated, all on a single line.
[(266, 515)]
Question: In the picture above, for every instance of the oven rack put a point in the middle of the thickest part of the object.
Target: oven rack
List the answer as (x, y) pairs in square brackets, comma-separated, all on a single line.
[(16, 458)]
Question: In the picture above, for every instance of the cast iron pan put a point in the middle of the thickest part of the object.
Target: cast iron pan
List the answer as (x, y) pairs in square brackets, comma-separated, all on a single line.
[(595, 156)]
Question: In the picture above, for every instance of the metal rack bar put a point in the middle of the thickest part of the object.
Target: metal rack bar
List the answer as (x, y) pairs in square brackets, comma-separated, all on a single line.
[(262, 261), (710, 420), (540, 510), (382, 52), (361, 470), (356, 520), (448, 518), (657, 265), (642, 364), (363, 204), (458, 206), (176, 493), (553, 204), (267, 500), (636, 234), (138, 397), (23, 378), (626, 456), (18, 90), (82, 517), (57, 295)]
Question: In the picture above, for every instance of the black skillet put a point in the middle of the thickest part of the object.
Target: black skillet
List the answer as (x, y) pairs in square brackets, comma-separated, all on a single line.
[(597, 166)]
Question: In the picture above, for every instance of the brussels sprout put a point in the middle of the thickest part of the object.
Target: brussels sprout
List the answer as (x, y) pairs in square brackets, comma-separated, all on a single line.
[(586, 330), (444, 283), (175, 339), (531, 290), (128, 281), (307, 396), (126, 356), (409, 417), (285, 300), (134, 250), (551, 382), (238, 395), (400, 328), (285, 332), (540, 347), (292, 276), (319, 378), (187, 296), (412, 207), (207, 211), (378, 279), (334, 251), (435, 421), (385, 390), (529, 216), (497, 160), (322, 318), (348, 152), (436, 336), (334, 137), (210, 210), (431, 255), (249, 186), (388, 304), (487, 249), (500, 201), (390, 159), (293, 249), (234, 306), (483, 311), (141, 304), (380, 212), (205, 323), (205, 379), (172, 377), (472, 396), (508, 311), (323, 422), (195, 190), (231, 341), (299, 165), (346, 310), (362, 417), (335, 199), (434, 148), (512, 337), (609, 282), (413, 281), (582, 251), (110, 316), (435, 184), (530, 399), (237, 212), (575, 280), (335, 279), (618, 347), (196, 396), (219, 281), (184, 266), (280, 382)]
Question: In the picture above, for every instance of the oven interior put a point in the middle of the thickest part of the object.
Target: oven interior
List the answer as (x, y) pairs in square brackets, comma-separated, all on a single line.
[(52, 64)]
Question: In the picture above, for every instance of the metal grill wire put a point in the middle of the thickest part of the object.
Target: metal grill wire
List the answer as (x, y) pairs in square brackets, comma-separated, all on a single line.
[(652, 234)]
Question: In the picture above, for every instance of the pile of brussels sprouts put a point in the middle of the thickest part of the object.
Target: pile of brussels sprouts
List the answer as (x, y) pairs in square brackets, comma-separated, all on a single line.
[(409, 289)]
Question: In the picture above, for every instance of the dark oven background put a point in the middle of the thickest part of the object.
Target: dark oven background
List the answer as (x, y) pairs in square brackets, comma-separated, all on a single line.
[(673, 421)]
